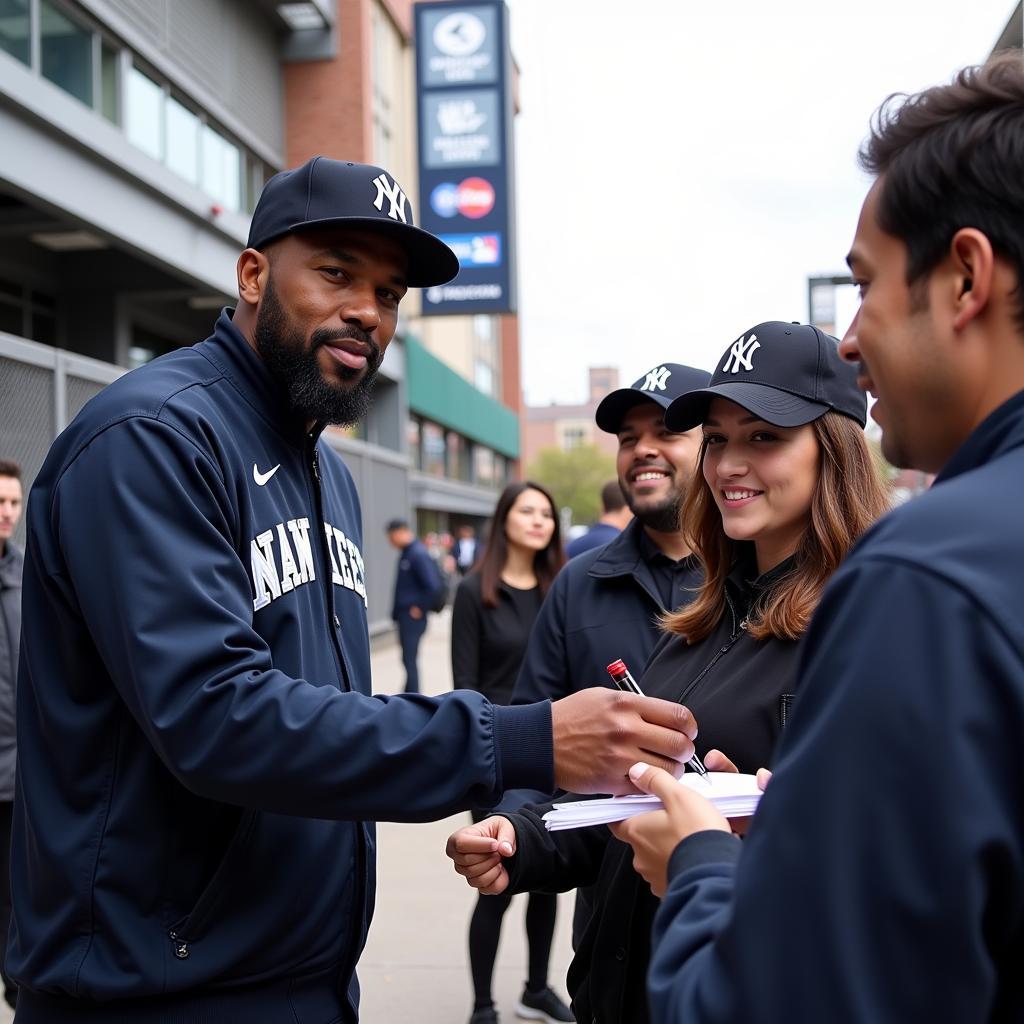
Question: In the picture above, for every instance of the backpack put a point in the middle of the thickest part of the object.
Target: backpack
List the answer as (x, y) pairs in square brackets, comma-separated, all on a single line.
[(443, 590)]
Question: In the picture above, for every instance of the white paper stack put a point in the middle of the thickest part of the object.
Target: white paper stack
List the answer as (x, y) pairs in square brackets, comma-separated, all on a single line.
[(735, 796)]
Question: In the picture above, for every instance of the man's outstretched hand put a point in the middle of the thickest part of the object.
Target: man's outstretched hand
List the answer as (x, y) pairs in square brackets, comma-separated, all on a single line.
[(599, 734)]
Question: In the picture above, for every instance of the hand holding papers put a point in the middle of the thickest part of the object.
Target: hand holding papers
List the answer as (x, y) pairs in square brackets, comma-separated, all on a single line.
[(732, 795)]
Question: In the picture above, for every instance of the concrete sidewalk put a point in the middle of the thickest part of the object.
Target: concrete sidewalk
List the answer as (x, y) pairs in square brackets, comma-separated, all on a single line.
[(415, 966)]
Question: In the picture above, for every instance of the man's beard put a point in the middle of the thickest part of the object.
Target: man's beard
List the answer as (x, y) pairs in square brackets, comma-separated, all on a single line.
[(664, 517), (295, 367)]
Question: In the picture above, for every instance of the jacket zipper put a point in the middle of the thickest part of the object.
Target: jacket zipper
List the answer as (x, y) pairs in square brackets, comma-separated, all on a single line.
[(194, 924), (738, 629), (360, 866)]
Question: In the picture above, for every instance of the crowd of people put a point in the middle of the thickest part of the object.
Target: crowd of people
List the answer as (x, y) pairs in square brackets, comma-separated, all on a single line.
[(201, 759)]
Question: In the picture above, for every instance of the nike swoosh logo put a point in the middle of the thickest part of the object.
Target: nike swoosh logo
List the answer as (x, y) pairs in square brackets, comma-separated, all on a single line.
[(262, 478)]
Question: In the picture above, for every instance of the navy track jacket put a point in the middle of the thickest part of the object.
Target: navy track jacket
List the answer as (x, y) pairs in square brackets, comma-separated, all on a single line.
[(882, 879), (199, 753)]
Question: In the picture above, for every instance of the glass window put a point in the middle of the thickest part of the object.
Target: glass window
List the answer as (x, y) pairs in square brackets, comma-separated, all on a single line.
[(412, 435), (573, 437), (222, 169), (433, 449), (182, 141), (109, 98), (14, 29), (255, 179), (66, 52), (484, 472), (144, 110), (458, 456), (483, 378)]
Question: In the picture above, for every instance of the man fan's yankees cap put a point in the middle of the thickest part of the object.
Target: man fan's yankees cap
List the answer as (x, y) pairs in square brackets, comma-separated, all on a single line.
[(786, 374), (325, 192), (661, 384)]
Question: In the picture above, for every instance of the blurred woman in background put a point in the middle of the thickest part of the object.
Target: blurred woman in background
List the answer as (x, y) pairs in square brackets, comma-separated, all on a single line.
[(495, 607)]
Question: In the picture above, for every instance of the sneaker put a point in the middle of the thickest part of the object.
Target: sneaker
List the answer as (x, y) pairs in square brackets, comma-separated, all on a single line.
[(544, 1006), (488, 1015)]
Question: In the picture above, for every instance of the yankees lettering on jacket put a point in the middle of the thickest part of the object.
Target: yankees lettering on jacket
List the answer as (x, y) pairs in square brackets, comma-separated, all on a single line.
[(282, 559)]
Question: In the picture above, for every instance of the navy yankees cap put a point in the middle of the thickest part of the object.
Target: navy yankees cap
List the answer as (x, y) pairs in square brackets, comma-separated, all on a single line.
[(662, 384), (787, 374), (325, 192)]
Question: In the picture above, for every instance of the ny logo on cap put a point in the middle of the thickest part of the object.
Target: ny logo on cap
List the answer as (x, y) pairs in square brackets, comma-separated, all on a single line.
[(390, 191), (740, 354), (656, 378)]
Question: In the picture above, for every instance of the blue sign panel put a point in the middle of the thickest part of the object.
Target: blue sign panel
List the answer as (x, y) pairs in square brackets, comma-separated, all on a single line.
[(463, 86)]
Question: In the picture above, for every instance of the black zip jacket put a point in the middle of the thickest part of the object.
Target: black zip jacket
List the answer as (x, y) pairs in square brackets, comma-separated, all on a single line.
[(200, 758), (604, 605), (739, 690)]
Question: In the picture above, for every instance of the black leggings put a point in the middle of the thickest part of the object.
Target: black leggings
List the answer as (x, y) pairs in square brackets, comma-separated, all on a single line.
[(485, 930)]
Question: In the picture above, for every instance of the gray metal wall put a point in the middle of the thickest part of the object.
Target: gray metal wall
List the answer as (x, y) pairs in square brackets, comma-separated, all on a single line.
[(42, 389), (224, 52)]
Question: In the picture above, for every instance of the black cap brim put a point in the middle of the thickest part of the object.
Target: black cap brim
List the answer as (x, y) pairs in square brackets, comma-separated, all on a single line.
[(614, 406), (431, 262), (772, 405)]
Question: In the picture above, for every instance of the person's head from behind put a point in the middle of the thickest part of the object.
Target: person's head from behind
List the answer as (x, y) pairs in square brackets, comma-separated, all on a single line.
[(525, 524), (399, 533), (939, 259), (786, 472), (612, 498), (10, 500), (332, 251), (655, 465)]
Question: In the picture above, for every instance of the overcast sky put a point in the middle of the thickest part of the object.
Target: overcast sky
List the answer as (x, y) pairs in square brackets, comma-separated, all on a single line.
[(683, 168)]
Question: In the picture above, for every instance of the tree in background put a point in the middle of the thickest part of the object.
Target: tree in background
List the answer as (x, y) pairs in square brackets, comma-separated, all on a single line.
[(574, 477)]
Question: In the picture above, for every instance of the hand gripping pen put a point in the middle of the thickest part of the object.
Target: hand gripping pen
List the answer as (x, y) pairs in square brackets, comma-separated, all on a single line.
[(623, 679)]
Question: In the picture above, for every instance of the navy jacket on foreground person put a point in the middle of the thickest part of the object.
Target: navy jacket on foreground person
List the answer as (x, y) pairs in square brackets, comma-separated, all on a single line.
[(184, 724), (912, 818)]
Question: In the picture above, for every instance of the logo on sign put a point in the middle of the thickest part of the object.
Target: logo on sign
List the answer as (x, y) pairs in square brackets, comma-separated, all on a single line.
[(459, 34), (444, 200), (475, 198), (459, 117), (475, 250)]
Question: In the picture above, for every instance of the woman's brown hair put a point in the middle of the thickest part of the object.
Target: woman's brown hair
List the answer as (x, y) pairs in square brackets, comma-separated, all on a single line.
[(546, 562), (848, 498)]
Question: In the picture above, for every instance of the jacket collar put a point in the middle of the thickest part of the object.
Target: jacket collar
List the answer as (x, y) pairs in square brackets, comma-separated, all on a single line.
[(1001, 431), (624, 555), (228, 350)]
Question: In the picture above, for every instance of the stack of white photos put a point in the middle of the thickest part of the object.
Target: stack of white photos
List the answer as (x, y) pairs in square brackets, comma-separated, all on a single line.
[(735, 796)]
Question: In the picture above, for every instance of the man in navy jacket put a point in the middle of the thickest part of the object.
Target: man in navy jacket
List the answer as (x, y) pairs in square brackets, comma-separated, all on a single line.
[(882, 878), (417, 585), (200, 758)]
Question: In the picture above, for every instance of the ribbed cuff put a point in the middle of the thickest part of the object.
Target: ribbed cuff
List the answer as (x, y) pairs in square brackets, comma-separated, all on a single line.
[(524, 747), (710, 847)]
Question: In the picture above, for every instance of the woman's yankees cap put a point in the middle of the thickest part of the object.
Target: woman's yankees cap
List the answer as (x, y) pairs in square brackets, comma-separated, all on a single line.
[(324, 192), (662, 384), (787, 374)]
